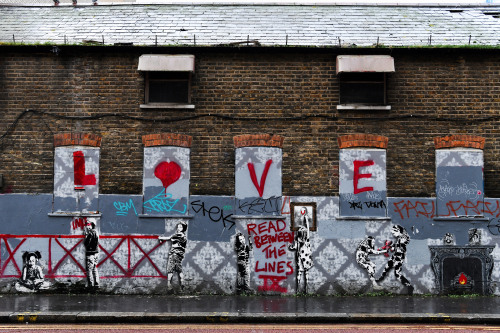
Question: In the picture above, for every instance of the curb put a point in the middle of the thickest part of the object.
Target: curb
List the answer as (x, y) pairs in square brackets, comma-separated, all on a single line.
[(236, 317)]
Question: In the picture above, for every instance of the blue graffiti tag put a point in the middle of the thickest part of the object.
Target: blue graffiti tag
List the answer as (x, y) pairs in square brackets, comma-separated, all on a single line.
[(122, 208), (162, 204)]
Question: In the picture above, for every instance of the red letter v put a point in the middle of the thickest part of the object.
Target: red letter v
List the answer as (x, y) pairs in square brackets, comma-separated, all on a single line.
[(253, 176)]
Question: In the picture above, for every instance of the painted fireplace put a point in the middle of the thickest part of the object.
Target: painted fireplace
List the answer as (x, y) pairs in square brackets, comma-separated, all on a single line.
[(462, 269)]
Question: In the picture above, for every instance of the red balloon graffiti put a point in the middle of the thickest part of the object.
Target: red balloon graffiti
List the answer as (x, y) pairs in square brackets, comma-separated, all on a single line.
[(168, 173)]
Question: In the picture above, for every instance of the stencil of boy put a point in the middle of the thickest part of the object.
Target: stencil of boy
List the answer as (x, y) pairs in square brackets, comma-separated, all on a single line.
[(243, 262), (91, 243), (176, 254)]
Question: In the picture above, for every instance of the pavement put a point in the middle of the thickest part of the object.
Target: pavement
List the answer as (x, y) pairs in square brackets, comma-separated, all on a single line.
[(98, 308)]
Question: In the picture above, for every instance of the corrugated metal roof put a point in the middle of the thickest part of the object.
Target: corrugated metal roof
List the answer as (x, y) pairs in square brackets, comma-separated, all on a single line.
[(267, 25)]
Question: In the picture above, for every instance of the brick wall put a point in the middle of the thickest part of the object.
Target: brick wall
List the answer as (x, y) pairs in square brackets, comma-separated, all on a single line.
[(167, 139), (77, 139), (254, 90), (459, 141), (362, 140)]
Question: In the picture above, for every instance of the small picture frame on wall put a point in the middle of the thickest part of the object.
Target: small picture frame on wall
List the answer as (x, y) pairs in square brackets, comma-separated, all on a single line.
[(301, 214)]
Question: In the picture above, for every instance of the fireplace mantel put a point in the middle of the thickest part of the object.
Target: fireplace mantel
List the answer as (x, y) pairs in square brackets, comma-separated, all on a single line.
[(460, 256)]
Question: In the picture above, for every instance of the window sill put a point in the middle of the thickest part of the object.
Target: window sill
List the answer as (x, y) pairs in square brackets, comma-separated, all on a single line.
[(166, 106), (363, 218), (363, 107)]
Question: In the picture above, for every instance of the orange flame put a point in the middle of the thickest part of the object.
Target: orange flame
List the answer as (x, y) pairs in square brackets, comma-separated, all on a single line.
[(462, 279)]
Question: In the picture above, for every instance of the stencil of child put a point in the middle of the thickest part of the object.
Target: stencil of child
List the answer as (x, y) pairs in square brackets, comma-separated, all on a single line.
[(365, 248), (243, 263), (32, 278), (398, 257), (303, 257), (176, 254), (91, 243)]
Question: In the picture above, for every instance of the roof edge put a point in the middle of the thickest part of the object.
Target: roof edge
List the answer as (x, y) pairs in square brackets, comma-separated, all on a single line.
[(304, 3)]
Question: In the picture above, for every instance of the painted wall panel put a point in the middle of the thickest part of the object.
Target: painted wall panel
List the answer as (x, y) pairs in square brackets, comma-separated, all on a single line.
[(25, 214), (72, 165), (362, 182), (166, 180), (418, 252), (258, 180), (213, 218), (459, 181), (120, 215)]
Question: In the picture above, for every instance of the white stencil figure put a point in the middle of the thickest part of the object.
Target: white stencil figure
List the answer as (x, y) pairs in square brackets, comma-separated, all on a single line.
[(398, 257), (32, 278), (91, 243), (364, 250), (243, 263), (303, 257), (176, 254)]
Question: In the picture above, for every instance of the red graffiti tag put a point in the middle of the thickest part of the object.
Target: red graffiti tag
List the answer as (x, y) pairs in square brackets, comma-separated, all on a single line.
[(272, 283), (414, 209), (489, 211), (79, 222), (168, 173), (405, 208), (286, 203), (253, 176), (81, 179), (358, 176), (457, 208)]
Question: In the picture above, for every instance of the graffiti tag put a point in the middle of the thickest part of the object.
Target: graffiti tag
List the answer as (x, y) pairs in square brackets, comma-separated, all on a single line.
[(79, 223), (162, 203), (214, 213), (414, 209), (368, 204), (123, 208), (470, 190), (459, 208), (271, 205)]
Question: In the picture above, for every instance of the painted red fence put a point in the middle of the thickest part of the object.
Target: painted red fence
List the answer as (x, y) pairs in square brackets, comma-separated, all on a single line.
[(107, 255)]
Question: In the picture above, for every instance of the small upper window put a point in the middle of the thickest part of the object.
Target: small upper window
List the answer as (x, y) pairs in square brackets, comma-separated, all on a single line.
[(168, 87), (167, 80), (362, 82)]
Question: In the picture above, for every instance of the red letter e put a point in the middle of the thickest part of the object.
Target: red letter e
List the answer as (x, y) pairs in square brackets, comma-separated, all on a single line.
[(357, 176)]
